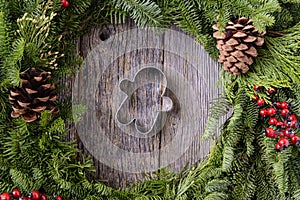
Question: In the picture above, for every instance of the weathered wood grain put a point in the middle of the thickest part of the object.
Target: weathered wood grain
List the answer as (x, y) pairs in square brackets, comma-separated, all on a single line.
[(190, 87)]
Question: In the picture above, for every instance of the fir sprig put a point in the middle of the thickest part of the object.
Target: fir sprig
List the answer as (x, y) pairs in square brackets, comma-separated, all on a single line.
[(142, 11)]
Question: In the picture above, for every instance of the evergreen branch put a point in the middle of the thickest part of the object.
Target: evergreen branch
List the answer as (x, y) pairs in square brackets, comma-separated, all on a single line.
[(4, 44), (117, 16), (228, 157), (184, 14), (10, 64), (296, 194), (245, 188), (21, 180), (262, 20), (216, 196), (142, 11), (218, 108), (186, 183), (280, 176), (224, 15), (217, 185), (251, 120), (38, 177), (101, 189), (235, 127), (249, 139)]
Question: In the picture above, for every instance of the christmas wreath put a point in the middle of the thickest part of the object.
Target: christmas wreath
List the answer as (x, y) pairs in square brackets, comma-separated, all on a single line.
[(256, 155)]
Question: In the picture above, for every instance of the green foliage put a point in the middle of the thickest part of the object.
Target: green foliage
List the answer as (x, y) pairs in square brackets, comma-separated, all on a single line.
[(35, 156), (218, 108), (52, 165), (142, 11), (217, 186), (216, 196), (11, 62), (10, 56), (3, 36), (73, 19)]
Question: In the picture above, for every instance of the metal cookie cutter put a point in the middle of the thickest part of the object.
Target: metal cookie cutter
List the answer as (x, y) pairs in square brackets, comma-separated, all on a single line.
[(145, 100)]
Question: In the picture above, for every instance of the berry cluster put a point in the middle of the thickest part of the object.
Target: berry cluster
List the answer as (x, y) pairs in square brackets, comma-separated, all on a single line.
[(34, 195), (282, 122)]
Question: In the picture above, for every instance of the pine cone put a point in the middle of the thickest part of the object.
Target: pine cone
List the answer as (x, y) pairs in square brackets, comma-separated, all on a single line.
[(237, 45), (35, 95)]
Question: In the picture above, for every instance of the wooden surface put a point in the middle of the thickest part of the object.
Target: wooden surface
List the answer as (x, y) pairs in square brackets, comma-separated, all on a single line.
[(190, 87)]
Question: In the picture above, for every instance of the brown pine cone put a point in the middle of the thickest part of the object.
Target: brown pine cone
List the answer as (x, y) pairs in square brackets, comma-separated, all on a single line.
[(237, 45), (35, 95)]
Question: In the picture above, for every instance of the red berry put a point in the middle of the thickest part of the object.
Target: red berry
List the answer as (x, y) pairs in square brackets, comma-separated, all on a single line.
[(65, 3), (16, 193), (272, 90), (257, 88), (43, 197), (280, 124), (295, 140), (35, 195), (263, 112), (284, 105), (278, 147), (269, 132), (272, 121), (294, 124), (25, 198), (255, 97), (289, 132), (277, 104), (284, 142), (58, 198), (261, 102), (5, 196), (271, 111), (292, 117), (284, 112)]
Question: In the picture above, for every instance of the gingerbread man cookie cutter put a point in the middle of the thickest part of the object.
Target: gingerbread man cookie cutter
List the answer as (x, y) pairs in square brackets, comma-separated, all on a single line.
[(145, 101)]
